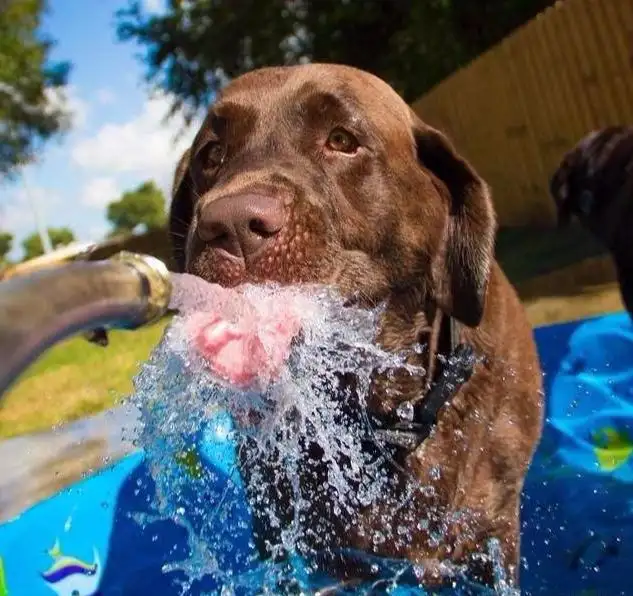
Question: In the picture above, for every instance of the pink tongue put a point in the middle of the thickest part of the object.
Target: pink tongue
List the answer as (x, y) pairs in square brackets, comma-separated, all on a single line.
[(250, 351)]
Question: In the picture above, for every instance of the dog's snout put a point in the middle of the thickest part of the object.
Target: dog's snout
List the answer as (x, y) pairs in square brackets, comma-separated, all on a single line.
[(241, 225)]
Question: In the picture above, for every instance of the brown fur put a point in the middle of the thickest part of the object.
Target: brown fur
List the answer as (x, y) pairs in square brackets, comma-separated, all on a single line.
[(404, 219), (594, 183)]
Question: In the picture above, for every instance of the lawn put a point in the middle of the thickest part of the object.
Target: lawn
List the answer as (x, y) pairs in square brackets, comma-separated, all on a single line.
[(75, 379)]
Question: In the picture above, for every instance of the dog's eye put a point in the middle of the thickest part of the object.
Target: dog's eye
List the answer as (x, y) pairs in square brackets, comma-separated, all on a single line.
[(206, 162), (212, 155), (342, 141)]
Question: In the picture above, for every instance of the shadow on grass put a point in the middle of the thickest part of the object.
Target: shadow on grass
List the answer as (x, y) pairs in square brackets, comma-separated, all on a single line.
[(553, 262)]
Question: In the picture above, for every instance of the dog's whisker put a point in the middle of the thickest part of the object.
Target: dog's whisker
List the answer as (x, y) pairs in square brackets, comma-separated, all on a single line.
[(176, 219)]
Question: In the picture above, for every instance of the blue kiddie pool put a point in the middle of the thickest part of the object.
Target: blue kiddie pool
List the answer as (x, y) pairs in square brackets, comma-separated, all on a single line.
[(101, 537)]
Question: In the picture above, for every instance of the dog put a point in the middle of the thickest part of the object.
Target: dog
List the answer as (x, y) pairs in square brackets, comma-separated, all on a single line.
[(321, 173), (594, 184)]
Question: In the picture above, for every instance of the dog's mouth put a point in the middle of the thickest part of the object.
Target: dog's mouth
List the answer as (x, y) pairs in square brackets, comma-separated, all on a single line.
[(264, 340), (295, 253), (246, 342), (248, 351), (216, 266)]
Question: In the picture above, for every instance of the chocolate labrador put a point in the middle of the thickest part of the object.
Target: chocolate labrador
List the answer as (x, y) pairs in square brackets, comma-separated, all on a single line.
[(322, 173), (594, 183)]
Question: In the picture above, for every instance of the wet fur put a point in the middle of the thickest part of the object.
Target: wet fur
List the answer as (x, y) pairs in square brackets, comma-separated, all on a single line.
[(408, 220)]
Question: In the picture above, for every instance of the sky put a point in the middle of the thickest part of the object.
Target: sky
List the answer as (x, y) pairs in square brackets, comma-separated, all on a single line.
[(118, 139)]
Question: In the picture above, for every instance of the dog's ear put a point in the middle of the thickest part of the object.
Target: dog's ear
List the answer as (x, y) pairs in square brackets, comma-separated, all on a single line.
[(181, 210), (461, 269)]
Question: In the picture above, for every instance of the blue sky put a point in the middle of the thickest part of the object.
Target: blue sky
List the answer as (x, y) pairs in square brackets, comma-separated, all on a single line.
[(118, 139)]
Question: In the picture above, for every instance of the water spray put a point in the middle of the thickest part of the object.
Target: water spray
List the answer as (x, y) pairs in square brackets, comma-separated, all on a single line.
[(279, 361)]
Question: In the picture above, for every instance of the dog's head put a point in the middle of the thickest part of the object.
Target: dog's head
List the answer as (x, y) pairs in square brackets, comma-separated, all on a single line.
[(592, 175), (322, 173)]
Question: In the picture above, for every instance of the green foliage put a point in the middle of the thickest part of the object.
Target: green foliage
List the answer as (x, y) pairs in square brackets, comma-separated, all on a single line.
[(6, 244), (197, 45), (31, 106), (32, 245), (144, 207)]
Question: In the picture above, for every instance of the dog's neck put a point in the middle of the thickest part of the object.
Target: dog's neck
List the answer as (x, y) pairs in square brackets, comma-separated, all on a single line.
[(431, 332), (404, 406)]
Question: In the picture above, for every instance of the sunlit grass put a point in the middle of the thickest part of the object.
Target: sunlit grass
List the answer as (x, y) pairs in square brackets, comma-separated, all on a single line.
[(587, 302), (75, 379)]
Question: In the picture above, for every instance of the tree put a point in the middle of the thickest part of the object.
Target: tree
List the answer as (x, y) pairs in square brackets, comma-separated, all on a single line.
[(144, 206), (6, 244), (32, 104), (32, 245), (197, 45)]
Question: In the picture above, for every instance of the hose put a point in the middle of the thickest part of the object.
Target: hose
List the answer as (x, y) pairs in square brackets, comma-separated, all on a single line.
[(38, 310)]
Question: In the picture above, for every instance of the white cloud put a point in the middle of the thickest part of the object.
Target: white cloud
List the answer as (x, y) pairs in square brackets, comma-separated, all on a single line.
[(100, 191), (64, 98), (105, 97), (145, 145), (68, 97), (16, 212), (15, 218), (97, 233), (154, 6)]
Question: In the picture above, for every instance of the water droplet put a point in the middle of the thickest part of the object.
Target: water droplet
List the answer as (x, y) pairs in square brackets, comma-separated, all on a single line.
[(378, 538), (405, 411), (310, 402), (423, 524)]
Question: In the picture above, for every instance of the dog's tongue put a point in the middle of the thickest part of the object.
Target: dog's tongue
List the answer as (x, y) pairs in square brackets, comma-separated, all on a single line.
[(246, 342)]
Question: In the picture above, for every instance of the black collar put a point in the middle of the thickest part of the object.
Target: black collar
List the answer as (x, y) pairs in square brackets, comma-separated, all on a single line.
[(453, 369)]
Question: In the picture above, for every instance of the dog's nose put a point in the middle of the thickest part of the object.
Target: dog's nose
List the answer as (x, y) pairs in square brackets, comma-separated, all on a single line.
[(241, 225)]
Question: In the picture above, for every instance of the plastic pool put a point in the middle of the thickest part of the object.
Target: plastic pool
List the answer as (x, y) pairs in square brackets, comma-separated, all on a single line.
[(577, 508)]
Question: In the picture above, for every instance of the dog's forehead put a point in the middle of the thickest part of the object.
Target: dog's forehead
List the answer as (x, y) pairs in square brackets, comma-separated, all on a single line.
[(268, 90)]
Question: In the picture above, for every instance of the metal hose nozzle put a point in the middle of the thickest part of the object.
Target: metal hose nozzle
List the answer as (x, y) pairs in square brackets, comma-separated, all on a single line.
[(126, 291), (156, 282)]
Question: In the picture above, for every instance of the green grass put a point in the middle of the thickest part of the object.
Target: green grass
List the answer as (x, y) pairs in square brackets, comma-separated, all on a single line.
[(75, 379)]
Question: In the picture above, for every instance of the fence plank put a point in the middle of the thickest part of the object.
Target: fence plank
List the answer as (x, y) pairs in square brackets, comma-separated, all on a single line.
[(517, 108)]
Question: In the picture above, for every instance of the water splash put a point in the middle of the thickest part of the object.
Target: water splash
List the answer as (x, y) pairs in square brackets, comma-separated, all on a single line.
[(305, 434)]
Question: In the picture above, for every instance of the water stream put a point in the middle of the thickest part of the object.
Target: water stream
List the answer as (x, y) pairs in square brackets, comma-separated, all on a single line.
[(302, 437)]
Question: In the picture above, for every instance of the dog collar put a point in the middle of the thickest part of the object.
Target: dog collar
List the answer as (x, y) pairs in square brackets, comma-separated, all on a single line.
[(414, 420)]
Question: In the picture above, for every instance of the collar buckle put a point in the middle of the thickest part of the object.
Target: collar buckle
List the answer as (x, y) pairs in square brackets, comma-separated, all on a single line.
[(455, 372)]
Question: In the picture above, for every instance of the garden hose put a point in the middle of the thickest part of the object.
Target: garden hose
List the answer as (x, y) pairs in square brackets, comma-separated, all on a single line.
[(127, 291)]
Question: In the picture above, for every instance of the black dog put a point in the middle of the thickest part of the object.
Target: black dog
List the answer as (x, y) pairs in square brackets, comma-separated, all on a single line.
[(594, 183)]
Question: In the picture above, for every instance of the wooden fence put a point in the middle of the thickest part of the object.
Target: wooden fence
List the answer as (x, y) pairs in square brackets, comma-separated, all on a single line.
[(516, 109)]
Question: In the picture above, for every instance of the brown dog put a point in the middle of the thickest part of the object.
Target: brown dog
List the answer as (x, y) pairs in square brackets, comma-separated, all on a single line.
[(594, 183), (321, 173)]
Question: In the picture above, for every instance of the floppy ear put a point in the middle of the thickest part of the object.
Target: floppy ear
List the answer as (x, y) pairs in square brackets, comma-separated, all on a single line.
[(181, 210), (461, 269)]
